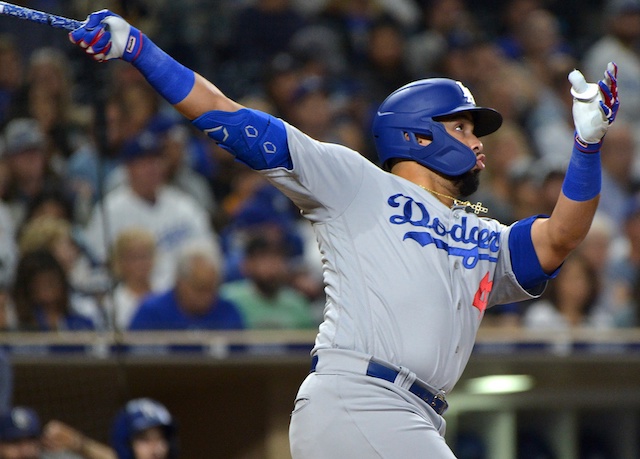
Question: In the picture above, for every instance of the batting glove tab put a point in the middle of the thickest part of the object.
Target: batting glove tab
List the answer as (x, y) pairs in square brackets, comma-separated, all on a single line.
[(595, 106), (105, 36)]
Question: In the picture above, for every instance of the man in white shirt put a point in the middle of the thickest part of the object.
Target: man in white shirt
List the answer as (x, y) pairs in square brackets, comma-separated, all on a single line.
[(147, 202)]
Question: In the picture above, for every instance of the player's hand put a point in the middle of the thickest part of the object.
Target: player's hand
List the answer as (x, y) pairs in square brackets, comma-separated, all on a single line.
[(595, 106), (105, 36)]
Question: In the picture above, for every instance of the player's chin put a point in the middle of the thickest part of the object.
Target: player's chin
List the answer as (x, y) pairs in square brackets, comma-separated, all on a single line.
[(468, 183)]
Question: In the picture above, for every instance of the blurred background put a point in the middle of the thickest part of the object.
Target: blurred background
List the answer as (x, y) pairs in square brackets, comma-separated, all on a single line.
[(111, 204)]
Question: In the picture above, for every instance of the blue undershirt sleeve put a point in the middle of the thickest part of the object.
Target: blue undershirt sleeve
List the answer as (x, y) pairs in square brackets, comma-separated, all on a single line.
[(524, 259)]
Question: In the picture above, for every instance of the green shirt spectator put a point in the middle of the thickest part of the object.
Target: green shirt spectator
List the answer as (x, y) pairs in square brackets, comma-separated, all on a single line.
[(263, 296)]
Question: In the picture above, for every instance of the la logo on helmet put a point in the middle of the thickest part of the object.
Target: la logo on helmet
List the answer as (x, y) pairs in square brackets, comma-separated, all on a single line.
[(466, 93)]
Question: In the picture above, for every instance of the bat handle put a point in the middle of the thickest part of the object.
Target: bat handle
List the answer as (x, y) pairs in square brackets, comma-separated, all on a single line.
[(64, 23), (41, 17)]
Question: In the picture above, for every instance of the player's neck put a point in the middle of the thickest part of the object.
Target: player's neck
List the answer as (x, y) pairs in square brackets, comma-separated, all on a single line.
[(425, 178)]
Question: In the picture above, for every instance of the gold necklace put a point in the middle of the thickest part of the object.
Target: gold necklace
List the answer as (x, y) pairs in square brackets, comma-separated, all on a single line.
[(477, 207)]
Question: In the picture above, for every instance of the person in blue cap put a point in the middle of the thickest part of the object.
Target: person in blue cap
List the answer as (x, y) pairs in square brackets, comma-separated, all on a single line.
[(144, 429), (20, 431)]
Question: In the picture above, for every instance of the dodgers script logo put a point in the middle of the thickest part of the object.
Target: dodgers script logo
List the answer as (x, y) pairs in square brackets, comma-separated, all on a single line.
[(485, 243)]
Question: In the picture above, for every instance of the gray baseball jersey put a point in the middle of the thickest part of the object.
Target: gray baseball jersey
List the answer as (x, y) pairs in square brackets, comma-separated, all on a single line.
[(407, 283), (407, 279)]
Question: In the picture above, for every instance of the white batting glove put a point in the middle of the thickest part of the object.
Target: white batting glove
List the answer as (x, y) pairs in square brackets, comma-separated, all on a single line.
[(105, 36), (595, 106)]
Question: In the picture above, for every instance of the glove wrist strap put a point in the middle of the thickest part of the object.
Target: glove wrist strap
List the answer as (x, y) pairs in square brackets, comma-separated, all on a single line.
[(586, 147)]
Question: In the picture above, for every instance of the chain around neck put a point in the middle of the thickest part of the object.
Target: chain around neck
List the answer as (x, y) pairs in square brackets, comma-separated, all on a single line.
[(477, 207)]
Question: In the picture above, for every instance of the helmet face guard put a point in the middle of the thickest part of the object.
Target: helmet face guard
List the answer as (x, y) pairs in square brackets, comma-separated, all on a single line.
[(411, 110)]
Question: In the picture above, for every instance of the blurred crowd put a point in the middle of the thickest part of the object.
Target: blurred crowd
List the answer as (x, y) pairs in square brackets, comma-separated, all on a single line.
[(116, 214), (141, 429)]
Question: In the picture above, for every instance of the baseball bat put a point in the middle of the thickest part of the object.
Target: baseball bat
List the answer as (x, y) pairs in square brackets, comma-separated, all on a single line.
[(20, 12)]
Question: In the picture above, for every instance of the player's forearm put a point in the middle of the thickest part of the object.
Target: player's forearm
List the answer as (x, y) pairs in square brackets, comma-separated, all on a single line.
[(191, 94), (570, 223), (204, 97), (554, 238)]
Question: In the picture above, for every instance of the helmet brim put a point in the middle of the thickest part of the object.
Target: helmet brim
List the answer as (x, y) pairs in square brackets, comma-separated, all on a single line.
[(486, 121)]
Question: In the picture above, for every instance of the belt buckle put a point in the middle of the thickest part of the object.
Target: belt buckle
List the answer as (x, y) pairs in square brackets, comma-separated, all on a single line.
[(439, 399)]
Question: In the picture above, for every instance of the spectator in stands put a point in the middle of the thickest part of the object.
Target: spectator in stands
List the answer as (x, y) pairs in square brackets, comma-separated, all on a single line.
[(543, 46), (22, 437), (352, 21), (281, 78), (514, 13), (11, 75), (445, 22), (145, 201), (384, 69), (8, 248), (509, 149), (599, 248), (8, 319), (550, 178), (549, 120), (52, 203), (311, 106), (56, 235), (568, 302), (262, 209), (127, 111), (259, 31), (29, 173), (618, 180), (525, 190), (618, 43), (42, 296), (20, 431), (132, 259), (61, 441), (624, 273), (144, 429), (193, 302), (174, 138), (46, 96), (263, 296)]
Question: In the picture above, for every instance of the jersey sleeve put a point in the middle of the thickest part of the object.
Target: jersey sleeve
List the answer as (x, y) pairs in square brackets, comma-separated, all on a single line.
[(320, 178), (324, 178)]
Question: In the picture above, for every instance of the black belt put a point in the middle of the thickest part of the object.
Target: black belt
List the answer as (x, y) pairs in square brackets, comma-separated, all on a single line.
[(378, 370)]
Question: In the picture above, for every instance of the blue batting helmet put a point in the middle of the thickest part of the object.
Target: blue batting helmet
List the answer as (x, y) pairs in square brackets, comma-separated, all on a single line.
[(138, 415), (414, 109), (19, 423)]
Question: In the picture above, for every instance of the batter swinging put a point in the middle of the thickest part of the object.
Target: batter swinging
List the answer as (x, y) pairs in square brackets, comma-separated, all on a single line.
[(409, 270)]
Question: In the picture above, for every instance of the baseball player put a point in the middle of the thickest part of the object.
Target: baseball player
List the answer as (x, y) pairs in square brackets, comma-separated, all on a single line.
[(409, 267)]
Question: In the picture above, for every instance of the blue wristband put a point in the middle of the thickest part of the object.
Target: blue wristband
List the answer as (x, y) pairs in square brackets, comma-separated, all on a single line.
[(583, 179), (168, 77)]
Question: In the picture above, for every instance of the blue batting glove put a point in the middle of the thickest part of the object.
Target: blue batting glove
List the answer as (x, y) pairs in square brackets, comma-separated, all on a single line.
[(105, 36)]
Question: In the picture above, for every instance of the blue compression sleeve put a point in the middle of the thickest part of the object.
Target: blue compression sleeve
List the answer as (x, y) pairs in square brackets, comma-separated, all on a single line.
[(172, 80), (524, 259), (583, 179)]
